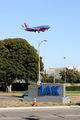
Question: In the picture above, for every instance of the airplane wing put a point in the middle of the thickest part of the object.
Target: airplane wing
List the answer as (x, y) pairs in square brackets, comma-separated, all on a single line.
[(31, 29)]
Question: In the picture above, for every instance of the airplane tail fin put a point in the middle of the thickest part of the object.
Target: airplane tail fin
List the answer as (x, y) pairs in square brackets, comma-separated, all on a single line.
[(25, 25)]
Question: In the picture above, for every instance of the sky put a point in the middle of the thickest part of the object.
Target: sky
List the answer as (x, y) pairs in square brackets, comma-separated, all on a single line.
[(63, 17)]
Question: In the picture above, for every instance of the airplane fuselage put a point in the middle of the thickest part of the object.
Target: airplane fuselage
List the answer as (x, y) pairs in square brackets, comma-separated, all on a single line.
[(38, 28)]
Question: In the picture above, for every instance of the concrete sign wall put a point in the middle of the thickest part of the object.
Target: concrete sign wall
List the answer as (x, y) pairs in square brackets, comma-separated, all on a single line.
[(46, 90), (47, 93)]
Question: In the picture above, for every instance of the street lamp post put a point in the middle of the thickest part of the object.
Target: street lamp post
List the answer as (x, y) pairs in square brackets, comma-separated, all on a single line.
[(54, 76), (39, 60), (65, 67)]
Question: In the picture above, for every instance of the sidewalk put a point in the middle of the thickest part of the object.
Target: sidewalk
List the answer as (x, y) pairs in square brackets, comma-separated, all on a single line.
[(50, 107)]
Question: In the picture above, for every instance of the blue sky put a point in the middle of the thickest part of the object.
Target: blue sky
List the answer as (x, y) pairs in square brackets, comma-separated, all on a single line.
[(63, 17)]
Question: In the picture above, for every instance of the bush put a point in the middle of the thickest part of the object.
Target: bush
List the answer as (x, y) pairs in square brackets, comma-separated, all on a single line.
[(72, 88), (2, 87), (20, 86), (58, 80)]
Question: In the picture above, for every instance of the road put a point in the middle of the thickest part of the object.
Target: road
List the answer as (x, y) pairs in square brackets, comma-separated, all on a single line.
[(72, 113), (10, 98)]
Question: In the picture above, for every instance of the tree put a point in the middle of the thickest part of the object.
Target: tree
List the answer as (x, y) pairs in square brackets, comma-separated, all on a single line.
[(78, 76), (50, 79), (62, 74), (71, 76), (47, 79), (44, 77), (18, 59)]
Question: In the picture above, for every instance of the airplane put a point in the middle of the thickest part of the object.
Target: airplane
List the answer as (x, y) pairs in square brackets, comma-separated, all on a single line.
[(34, 29)]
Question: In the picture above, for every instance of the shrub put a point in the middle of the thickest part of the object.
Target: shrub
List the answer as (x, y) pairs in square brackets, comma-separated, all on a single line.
[(72, 88)]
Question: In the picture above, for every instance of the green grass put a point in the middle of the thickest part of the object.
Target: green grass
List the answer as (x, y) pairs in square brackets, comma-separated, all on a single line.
[(15, 91), (72, 91), (72, 95), (20, 91), (27, 91)]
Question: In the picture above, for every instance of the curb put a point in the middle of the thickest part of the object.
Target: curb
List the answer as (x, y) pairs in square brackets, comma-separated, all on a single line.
[(20, 108)]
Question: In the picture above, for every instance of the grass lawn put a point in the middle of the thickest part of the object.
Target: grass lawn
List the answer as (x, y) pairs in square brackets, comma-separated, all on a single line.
[(68, 95), (10, 94), (20, 91), (66, 92), (13, 93), (73, 92)]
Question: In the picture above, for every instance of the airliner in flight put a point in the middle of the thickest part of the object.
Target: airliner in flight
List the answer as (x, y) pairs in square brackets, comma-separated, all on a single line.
[(34, 29)]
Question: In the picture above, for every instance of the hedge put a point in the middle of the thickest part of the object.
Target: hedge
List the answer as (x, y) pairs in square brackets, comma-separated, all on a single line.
[(19, 86), (15, 86), (72, 88)]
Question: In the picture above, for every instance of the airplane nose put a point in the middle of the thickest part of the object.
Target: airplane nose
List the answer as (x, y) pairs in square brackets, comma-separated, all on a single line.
[(48, 27)]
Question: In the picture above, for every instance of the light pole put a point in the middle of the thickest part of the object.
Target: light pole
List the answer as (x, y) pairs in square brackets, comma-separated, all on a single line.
[(54, 76), (65, 67), (39, 60)]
